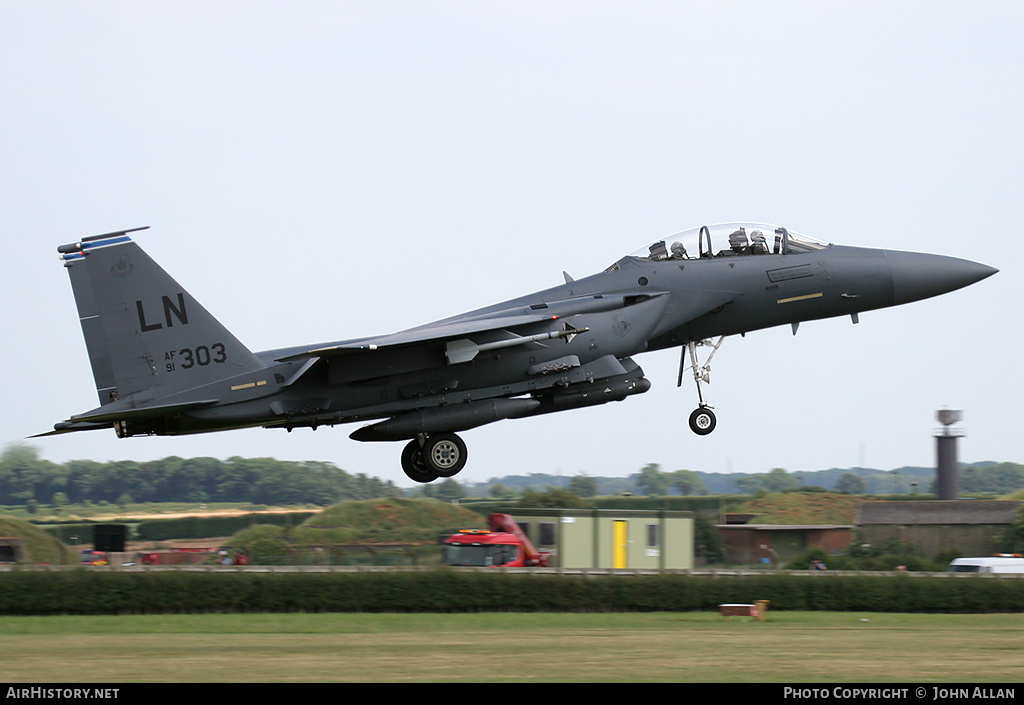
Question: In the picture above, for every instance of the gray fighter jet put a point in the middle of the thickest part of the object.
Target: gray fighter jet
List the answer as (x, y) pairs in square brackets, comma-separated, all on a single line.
[(163, 365)]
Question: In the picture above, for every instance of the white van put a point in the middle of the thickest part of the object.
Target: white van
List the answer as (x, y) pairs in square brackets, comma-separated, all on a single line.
[(1002, 563)]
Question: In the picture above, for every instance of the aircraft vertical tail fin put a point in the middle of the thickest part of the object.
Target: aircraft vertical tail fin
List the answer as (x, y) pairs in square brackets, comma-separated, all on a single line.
[(145, 334)]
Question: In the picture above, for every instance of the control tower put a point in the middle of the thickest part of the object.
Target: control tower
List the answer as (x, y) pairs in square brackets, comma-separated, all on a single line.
[(947, 481)]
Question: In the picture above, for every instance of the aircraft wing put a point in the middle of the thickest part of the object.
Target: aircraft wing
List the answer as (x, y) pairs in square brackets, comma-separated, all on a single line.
[(450, 329), (431, 333)]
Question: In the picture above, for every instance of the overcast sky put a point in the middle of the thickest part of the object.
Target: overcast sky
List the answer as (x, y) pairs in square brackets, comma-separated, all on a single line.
[(316, 171)]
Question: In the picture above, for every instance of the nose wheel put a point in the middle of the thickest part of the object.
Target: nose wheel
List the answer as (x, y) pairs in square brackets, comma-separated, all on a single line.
[(702, 420), (426, 458)]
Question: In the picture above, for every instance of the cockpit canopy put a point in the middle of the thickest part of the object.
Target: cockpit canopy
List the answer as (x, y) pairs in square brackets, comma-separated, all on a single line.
[(728, 240)]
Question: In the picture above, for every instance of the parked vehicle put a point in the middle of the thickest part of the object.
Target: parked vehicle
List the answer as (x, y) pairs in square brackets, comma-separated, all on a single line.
[(176, 556), (999, 563), (93, 557), (504, 544)]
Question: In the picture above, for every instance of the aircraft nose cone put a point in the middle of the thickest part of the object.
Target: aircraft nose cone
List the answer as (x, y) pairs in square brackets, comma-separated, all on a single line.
[(917, 276)]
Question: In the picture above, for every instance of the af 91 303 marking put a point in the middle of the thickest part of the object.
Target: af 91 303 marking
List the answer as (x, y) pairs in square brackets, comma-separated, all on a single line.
[(200, 355)]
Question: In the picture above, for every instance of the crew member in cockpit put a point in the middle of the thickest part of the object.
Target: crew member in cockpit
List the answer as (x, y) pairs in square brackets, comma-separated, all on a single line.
[(758, 246), (738, 242)]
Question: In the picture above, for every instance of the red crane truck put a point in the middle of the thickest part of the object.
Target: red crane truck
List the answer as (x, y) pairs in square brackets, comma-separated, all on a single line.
[(504, 544)]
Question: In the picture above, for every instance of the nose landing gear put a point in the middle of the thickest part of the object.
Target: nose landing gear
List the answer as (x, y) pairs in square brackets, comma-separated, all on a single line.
[(702, 420)]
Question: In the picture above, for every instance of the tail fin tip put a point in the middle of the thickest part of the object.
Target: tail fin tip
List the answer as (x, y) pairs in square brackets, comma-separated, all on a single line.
[(76, 250)]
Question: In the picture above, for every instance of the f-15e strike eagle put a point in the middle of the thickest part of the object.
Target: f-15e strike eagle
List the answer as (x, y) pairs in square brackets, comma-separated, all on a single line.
[(163, 365)]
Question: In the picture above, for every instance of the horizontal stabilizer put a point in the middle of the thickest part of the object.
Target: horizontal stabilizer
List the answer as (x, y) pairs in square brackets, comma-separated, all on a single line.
[(105, 414), (70, 427), (111, 414)]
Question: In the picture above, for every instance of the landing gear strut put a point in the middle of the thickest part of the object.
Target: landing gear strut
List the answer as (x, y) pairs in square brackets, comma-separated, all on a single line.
[(428, 457), (702, 420)]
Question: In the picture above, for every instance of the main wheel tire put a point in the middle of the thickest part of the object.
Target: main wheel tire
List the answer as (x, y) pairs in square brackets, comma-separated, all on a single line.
[(703, 421), (444, 454), (413, 466)]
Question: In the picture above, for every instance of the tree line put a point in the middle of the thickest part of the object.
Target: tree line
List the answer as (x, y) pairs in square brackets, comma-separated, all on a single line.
[(25, 478), (978, 478)]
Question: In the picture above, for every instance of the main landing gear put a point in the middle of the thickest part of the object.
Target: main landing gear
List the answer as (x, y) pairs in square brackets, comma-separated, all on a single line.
[(428, 457), (702, 420)]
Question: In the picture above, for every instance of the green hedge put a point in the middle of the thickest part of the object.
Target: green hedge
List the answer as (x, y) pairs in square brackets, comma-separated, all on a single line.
[(85, 591)]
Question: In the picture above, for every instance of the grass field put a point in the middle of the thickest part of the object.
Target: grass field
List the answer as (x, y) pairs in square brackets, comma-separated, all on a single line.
[(789, 647)]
